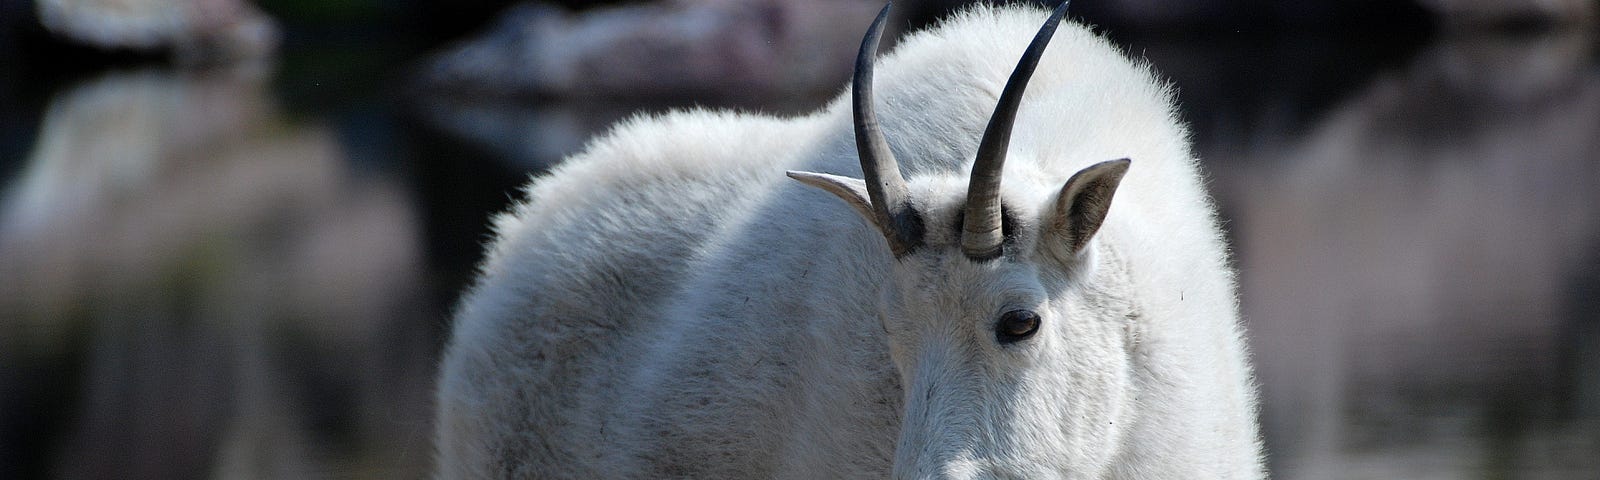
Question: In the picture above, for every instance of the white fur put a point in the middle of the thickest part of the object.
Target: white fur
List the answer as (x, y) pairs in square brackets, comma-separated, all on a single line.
[(668, 304)]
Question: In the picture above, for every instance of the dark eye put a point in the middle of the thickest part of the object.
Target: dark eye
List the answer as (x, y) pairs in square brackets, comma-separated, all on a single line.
[(1016, 325)]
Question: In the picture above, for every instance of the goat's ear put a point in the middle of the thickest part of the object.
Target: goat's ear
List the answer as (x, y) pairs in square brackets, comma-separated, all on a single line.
[(1080, 208), (852, 191)]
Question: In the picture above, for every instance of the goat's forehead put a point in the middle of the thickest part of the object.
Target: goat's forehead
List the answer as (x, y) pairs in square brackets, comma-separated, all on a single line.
[(941, 203), (937, 274)]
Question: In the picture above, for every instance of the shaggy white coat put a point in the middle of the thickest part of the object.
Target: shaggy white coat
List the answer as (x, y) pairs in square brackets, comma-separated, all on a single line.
[(667, 304)]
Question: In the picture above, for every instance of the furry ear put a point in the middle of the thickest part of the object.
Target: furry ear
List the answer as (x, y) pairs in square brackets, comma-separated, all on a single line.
[(852, 191), (1080, 208)]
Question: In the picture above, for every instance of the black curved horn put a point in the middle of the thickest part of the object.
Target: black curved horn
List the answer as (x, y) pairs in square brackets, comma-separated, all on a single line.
[(981, 236), (885, 187)]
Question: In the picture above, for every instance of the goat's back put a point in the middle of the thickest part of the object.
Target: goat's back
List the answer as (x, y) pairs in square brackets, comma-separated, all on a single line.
[(579, 269)]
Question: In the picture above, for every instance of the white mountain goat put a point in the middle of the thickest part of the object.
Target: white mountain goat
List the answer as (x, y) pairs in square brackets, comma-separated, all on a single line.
[(666, 304)]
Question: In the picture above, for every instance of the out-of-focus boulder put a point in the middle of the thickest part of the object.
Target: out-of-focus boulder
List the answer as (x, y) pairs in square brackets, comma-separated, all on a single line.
[(754, 48), (1322, 14), (193, 30), (677, 48), (1413, 268), (221, 290), (1500, 11)]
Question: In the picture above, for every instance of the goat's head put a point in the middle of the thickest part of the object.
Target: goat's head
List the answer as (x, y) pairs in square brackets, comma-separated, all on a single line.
[(1004, 319)]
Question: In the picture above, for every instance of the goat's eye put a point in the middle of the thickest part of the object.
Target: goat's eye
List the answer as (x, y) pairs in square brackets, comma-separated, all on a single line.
[(1016, 325)]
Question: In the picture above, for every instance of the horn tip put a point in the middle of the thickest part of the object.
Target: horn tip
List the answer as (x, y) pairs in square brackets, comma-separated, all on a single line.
[(1061, 9)]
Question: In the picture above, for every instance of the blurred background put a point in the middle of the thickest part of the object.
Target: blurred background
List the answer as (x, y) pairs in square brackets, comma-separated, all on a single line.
[(231, 233)]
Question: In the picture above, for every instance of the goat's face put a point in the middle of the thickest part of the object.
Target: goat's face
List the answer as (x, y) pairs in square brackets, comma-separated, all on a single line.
[(1013, 367), (1007, 324)]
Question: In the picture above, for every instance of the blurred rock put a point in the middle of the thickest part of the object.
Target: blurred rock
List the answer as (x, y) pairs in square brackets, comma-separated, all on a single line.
[(1468, 12), (675, 48), (1413, 265), (1322, 15), (532, 136), (223, 293), (715, 48), (526, 137), (193, 30)]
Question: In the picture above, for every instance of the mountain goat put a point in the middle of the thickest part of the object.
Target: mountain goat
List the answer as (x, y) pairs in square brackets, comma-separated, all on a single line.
[(666, 304)]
